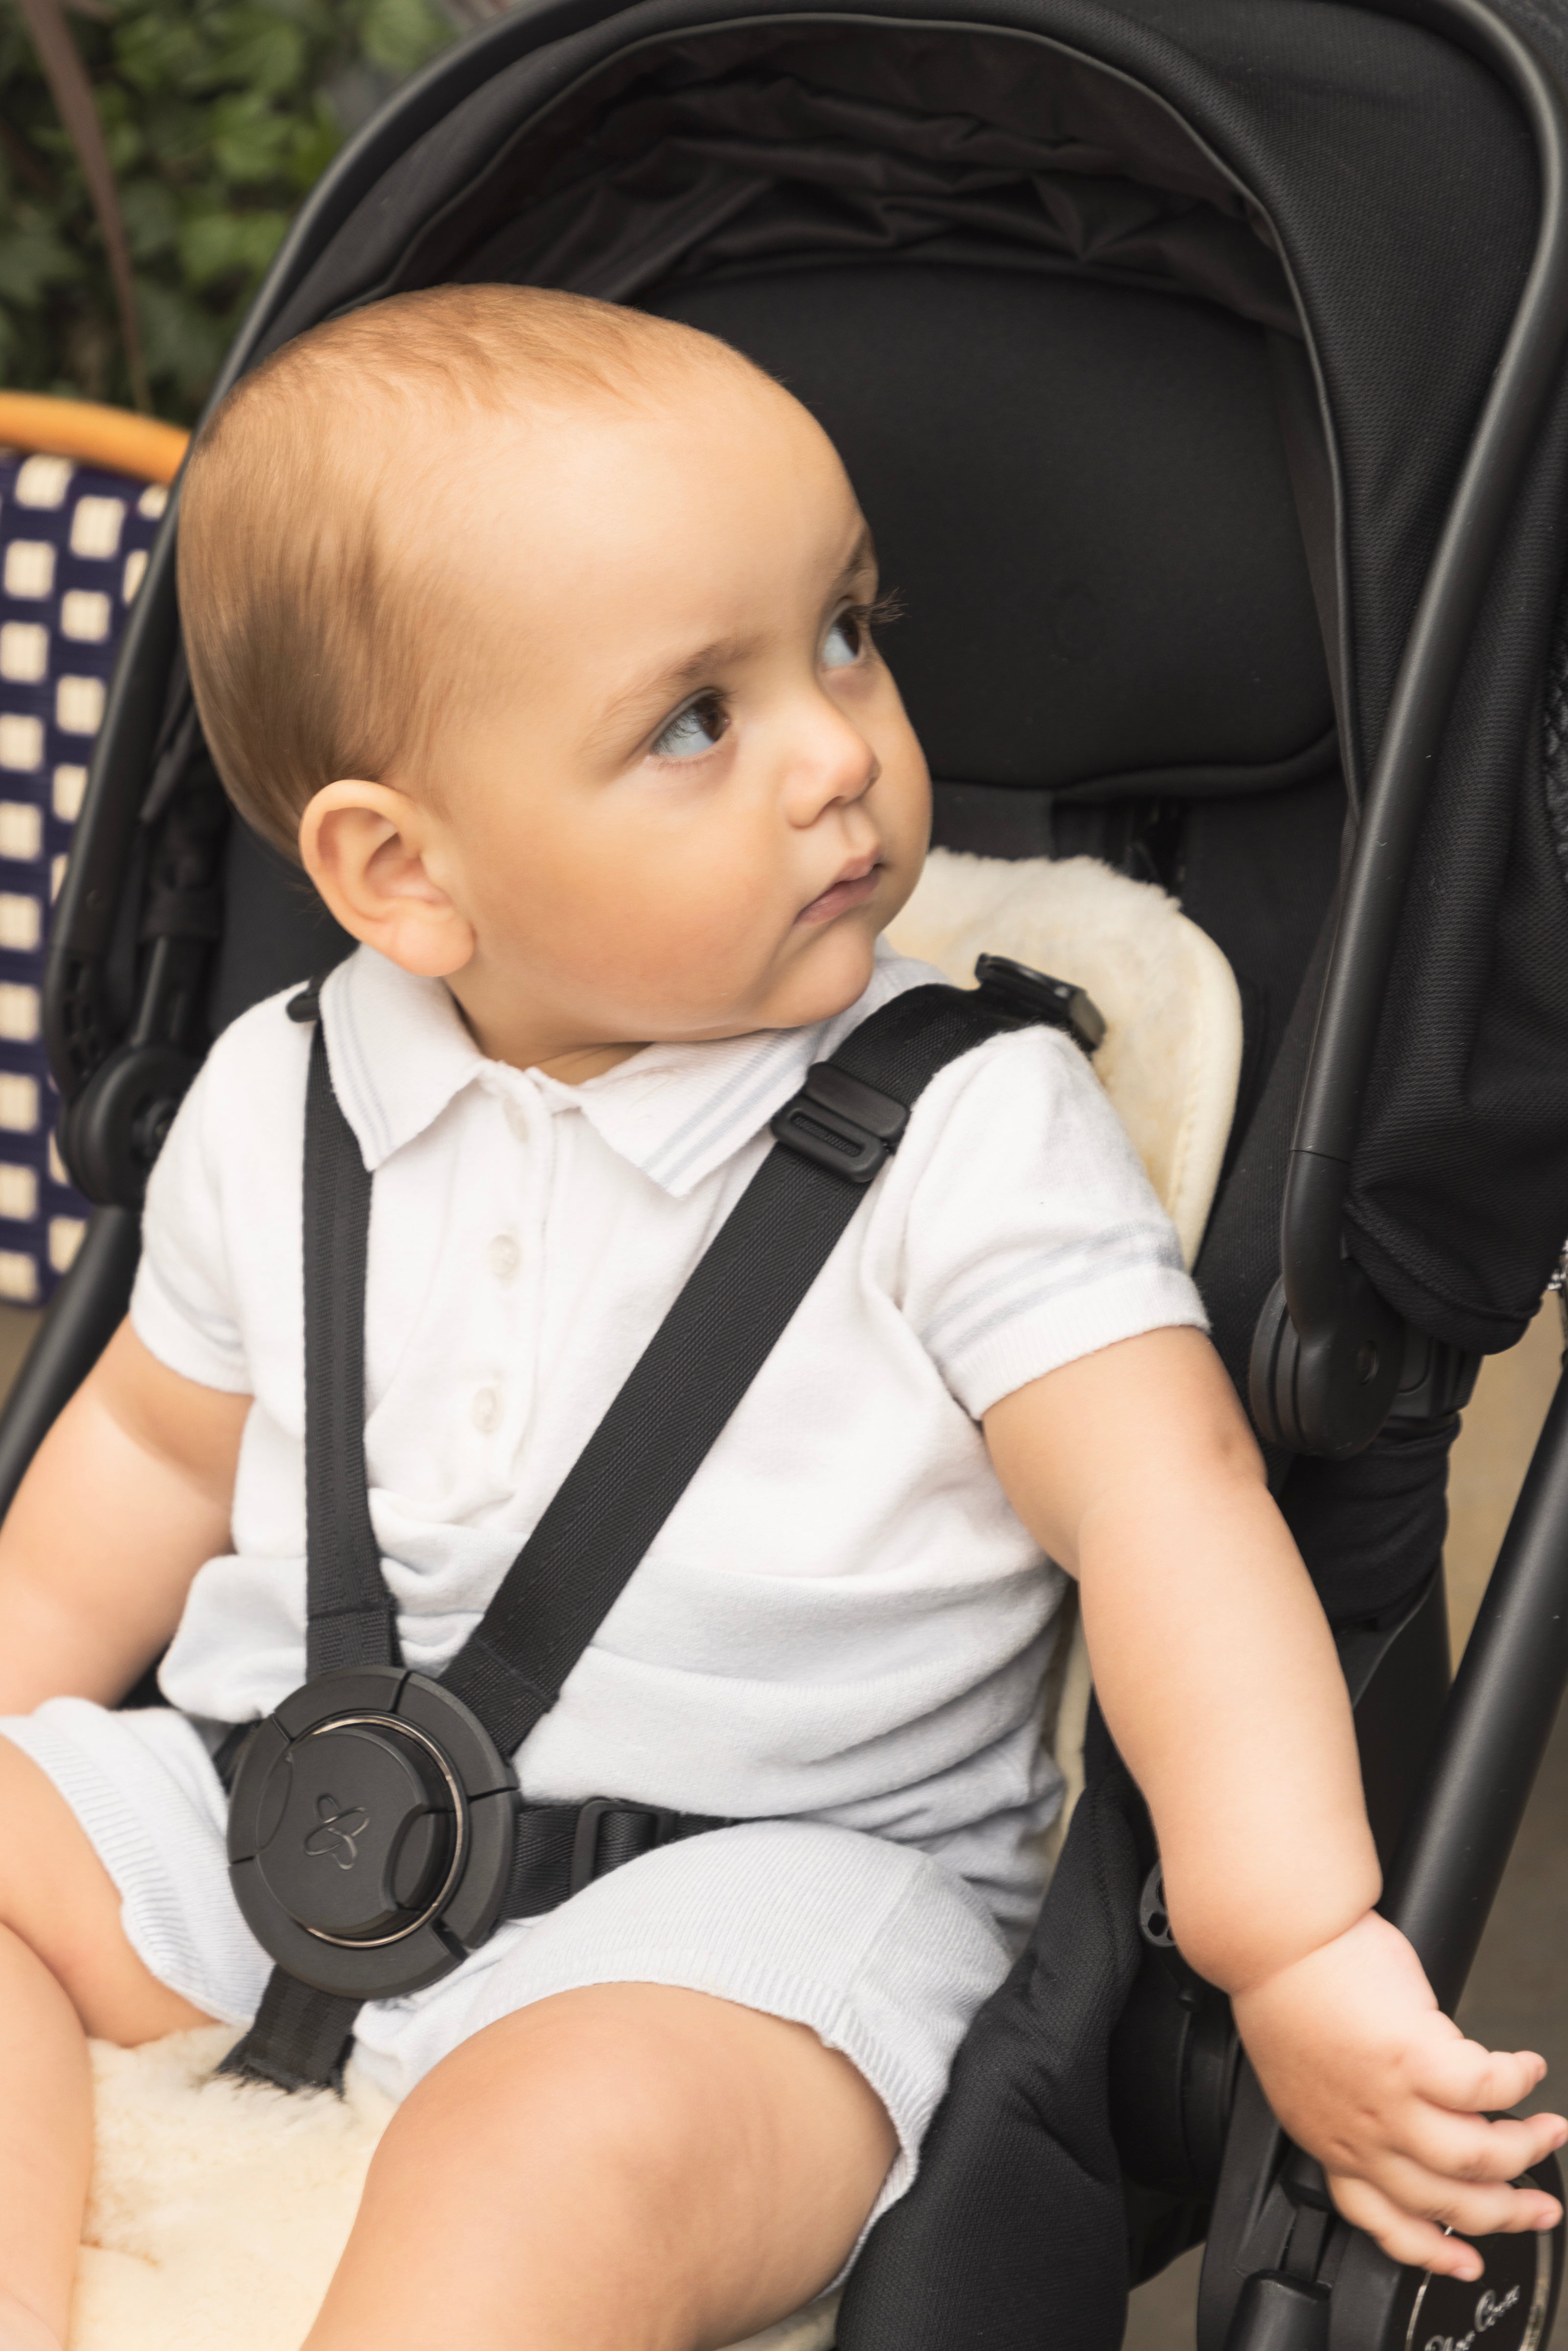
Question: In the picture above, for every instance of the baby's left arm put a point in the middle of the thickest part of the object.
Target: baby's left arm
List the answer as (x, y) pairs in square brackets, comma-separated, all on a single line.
[(1218, 1679)]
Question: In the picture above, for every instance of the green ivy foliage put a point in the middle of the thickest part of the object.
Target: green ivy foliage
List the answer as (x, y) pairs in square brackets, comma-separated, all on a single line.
[(218, 115)]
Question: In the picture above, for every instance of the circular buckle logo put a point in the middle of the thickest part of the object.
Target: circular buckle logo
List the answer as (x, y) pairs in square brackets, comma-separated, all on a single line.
[(334, 1837)]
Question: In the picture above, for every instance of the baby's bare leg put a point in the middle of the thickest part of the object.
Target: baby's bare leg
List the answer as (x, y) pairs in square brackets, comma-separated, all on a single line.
[(66, 1971), (627, 2167)]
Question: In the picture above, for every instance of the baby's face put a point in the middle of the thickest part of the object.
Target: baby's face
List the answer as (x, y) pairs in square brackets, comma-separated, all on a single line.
[(686, 797)]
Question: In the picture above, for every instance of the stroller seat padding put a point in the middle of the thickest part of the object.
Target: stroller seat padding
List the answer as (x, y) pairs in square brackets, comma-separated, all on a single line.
[(1172, 1053), (1081, 498), (202, 2187)]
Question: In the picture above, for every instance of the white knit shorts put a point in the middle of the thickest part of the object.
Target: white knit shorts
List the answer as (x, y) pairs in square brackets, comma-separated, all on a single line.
[(884, 1953)]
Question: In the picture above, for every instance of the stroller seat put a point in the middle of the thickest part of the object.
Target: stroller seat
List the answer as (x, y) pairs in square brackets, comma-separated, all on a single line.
[(1198, 363), (203, 2186)]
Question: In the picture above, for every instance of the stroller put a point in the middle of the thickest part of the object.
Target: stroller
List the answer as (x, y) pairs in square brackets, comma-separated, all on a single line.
[(1198, 366)]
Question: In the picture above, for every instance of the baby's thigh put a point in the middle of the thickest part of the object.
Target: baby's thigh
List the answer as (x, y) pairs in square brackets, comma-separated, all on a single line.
[(636, 2149), (56, 1896)]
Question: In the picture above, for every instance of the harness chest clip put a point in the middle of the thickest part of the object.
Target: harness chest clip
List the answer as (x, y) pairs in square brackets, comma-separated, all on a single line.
[(371, 1831)]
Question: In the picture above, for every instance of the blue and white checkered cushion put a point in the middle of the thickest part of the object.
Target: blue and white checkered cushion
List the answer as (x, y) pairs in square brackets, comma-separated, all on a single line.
[(73, 547)]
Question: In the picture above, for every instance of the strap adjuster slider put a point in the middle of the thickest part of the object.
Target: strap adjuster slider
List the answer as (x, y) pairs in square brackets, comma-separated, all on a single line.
[(841, 1123), (588, 1863)]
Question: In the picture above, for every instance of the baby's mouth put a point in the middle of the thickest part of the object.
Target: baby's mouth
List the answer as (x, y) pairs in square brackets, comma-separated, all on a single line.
[(854, 885)]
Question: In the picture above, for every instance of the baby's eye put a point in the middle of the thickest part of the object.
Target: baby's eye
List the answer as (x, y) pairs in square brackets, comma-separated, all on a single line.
[(846, 641), (694, 730)]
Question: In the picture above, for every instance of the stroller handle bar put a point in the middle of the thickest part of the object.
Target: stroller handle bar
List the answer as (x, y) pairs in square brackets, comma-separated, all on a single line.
[(1462, 1823), (1326, 1384)]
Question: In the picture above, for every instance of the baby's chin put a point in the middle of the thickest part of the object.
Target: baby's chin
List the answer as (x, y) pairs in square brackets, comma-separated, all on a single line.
[(835, 973), (819, 986)]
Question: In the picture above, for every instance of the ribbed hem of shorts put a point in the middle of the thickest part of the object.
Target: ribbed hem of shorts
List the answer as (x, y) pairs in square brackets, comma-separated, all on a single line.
[(828, 2009), (798, 2001), (150, 1912)]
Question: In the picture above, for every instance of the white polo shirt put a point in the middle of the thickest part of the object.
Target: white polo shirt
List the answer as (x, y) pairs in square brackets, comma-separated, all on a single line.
[(842, 1620)]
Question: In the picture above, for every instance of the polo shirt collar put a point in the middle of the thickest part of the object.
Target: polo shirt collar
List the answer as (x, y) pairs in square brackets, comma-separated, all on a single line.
[(400, 1052)]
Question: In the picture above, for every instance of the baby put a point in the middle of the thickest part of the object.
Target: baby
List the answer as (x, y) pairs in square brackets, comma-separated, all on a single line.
[(540, 632)]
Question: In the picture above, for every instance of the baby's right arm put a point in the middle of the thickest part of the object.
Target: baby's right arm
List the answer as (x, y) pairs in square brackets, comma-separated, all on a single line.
[(128, 1494)]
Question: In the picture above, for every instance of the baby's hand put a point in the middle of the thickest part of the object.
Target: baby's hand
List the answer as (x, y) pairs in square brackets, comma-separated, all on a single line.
[(1365, 2072)]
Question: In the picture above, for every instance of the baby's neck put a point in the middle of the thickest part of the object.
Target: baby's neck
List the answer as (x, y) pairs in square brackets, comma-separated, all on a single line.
[(585, 1062)]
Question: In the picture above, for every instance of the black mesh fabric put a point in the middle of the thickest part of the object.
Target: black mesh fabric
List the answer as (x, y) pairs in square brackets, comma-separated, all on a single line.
[(1371, 1530)]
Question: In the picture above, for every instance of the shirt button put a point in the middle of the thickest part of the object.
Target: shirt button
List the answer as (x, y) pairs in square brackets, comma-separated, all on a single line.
[(485, 1412), (503, 1257)]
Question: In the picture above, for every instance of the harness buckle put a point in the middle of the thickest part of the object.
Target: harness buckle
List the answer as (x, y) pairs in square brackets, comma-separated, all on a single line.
[(585, 1857), (1029, 994), (841, 1123)]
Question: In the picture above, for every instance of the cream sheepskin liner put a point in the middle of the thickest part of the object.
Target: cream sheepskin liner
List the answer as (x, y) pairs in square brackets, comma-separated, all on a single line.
[(1172, 1053), (218, 2211)]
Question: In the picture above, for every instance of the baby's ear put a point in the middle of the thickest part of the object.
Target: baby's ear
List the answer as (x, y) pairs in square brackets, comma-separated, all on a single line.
[(365, 848)]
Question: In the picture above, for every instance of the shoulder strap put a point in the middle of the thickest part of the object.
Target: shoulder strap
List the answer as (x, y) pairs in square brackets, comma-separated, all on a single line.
[(831, 1140), (351, 1619)]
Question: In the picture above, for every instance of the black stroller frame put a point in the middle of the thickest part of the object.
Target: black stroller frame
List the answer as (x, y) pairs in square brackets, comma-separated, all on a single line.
[(1358, 1357)]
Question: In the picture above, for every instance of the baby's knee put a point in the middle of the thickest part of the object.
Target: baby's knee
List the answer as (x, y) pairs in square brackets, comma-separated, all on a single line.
[(655, 2167), (653, 2105), (595, 2084)]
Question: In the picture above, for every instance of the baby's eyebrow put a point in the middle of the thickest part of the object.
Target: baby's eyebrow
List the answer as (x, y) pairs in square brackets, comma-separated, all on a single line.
[(666, 684), (663, 685)]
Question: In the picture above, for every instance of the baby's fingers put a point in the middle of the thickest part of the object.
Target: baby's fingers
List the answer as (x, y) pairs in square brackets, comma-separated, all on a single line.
[(1465, 2147), (1462, 2074), (1401, 2235), (1429, 2201)]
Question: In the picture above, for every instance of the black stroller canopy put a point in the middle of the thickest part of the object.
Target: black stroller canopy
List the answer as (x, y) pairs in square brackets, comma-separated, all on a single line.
[(1309, 167), (1155, 337)]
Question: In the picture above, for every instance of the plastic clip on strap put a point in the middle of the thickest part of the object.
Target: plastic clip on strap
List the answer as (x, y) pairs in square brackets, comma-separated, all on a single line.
[(836, 1134)]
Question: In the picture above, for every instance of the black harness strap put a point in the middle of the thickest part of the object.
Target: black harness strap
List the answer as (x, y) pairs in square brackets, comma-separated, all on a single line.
[(561, 1848), (699, 1364), (832, 1139), (352, 1621), (300, 2040)]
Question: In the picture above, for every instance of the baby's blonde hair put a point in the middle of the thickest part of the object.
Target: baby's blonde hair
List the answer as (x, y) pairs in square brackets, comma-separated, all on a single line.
[(313, 654)]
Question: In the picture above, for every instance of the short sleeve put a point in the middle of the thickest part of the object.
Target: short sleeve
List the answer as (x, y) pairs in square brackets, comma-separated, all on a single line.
[(183, 1307), (1033, 1235)]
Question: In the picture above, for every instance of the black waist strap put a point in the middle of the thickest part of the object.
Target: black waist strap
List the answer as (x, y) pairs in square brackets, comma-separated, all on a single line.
[(561, 1848), (301, 2038)]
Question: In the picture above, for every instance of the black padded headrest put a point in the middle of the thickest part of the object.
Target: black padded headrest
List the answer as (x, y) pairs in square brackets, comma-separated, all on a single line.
[(1079, 493)]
